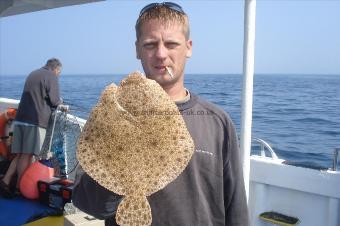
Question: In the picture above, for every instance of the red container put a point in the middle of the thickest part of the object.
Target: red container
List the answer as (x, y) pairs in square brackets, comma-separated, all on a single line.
[(39, 170)]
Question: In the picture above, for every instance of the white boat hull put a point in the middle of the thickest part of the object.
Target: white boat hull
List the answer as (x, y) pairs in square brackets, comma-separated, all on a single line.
[(310, 195)]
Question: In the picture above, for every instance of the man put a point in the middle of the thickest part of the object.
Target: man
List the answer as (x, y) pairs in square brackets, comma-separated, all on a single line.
[(40, 96), (210, 191)]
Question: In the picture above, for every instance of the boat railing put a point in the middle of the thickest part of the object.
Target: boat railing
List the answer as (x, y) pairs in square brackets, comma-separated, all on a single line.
[(335, 159), (265, 149)]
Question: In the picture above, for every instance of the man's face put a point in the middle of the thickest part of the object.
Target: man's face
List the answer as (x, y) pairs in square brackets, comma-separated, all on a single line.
[(162, 46), (57, 71)]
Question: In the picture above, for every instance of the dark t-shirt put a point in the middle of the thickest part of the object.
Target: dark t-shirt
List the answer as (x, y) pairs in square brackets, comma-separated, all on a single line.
[(209, 192), (40, 95)]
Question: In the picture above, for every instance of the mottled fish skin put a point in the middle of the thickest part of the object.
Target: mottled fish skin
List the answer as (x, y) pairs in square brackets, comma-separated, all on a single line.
[(134, 143)]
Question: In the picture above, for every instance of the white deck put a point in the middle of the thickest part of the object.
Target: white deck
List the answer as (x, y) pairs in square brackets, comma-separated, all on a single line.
[(312, 196)]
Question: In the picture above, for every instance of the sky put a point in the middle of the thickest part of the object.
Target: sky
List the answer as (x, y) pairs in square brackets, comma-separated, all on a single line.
[(292, 37)]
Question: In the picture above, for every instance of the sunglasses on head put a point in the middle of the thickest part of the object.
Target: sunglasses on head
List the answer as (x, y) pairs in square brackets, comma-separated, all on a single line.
[(169, 5)]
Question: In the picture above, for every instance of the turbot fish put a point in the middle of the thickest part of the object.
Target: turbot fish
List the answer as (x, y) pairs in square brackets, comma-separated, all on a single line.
[(135, 143)]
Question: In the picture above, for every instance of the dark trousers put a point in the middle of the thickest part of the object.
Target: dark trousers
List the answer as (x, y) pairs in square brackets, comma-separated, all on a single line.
[(111, 221)]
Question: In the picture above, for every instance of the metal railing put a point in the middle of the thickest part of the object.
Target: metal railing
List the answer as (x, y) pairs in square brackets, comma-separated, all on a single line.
[(265, 148), (335, 159)]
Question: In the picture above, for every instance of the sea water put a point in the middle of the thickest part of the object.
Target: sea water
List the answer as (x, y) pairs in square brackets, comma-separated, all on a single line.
[(299, 115)]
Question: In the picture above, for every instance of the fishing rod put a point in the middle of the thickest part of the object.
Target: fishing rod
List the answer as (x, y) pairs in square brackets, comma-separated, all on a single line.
[(74, 106)]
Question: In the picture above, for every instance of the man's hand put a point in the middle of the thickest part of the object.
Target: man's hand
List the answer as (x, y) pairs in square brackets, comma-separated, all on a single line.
[(63, 107)]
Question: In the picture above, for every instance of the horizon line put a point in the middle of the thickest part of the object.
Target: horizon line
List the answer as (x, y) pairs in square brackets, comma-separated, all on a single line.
[(231, 73)]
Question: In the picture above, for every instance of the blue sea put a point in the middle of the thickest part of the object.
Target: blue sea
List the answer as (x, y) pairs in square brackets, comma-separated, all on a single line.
[(299, 115)]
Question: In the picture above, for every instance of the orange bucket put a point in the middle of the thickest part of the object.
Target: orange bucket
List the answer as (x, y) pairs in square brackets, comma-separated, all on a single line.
[(39, 170)]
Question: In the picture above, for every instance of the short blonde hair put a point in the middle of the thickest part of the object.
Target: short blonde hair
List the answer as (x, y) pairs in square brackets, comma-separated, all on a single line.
[(165, 15)]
